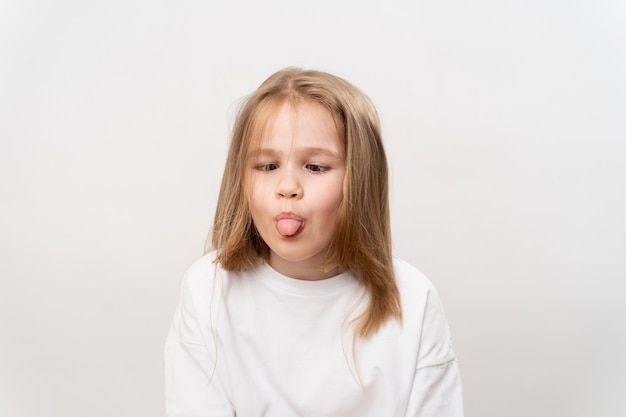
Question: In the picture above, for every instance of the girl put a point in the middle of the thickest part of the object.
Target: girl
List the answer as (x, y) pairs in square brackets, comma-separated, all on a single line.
[(300, 309)]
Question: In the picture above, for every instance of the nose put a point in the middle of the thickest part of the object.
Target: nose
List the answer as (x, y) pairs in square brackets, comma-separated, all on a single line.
[(288, 185)]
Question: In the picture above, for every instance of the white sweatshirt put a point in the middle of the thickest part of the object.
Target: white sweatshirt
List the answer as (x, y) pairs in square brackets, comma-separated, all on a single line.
[(257, 343)]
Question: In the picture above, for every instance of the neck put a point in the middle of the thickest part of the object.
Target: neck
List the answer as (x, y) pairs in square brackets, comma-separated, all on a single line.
[(310, 269)]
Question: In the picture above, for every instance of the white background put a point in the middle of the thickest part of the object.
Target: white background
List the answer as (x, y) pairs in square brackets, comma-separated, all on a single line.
[(505, 125)]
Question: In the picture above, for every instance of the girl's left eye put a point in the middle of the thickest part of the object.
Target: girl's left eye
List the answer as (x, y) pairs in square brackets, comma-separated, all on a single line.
[(316, 168)]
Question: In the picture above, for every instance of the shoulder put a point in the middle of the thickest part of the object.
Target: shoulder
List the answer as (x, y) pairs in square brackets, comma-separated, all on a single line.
[(203, 287), (203, 268), (415, 288), (201, 272), (411, 281), (417, 293), (206, 278), (422, 308), (203, 278), (203, 265)]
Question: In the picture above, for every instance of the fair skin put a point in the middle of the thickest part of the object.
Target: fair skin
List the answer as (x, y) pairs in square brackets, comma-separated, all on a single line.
[(294, 186)]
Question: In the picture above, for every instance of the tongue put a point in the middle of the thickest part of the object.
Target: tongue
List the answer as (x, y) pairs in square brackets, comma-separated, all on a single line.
[(288, 227)]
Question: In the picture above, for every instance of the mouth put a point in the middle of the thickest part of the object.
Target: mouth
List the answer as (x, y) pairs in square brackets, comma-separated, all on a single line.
[(289, 224)]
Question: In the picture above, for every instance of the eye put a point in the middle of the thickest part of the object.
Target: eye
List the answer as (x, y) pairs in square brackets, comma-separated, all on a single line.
[(267, 167), (317, 168)]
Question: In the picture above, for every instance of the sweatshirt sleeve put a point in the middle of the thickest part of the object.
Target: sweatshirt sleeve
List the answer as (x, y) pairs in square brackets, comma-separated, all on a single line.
[(193, 385), (436, 390)]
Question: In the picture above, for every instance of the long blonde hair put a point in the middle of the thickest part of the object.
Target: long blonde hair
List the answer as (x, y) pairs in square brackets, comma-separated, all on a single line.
[(362, 240)]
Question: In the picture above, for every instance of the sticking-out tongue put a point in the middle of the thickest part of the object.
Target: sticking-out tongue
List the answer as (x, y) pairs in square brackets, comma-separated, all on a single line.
[(288, 227)]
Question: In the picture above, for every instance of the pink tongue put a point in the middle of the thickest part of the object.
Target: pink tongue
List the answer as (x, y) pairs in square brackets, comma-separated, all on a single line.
[(288, 227)]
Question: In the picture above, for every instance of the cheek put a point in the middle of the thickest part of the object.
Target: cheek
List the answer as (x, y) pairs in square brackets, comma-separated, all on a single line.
[(331, 203), (256, 194)]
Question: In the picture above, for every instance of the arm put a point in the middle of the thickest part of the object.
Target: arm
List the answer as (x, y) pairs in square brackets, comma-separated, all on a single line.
[(193, 385)]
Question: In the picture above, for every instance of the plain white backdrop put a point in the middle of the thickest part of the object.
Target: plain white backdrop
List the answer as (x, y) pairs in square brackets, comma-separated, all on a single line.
[(505, 126)]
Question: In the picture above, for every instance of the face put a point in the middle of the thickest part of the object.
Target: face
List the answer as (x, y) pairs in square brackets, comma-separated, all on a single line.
[(294, 186)]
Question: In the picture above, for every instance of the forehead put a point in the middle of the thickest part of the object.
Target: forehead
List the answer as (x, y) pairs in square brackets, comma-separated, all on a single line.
[(295, 123)]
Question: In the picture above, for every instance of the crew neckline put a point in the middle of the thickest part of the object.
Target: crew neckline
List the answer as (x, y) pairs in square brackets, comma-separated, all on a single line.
[(316, 288)]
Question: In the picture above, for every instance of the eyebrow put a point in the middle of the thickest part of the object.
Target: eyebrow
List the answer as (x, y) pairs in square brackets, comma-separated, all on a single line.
[(309, 150)]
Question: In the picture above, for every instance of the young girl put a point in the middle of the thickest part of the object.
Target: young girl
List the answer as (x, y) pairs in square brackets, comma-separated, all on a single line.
[(300, 309)]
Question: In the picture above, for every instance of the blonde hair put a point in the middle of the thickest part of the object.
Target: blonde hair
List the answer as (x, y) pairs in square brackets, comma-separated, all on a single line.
[(362, 240)]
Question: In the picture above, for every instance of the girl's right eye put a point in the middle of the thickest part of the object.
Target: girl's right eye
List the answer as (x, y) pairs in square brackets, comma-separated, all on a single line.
[(266, 167)]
